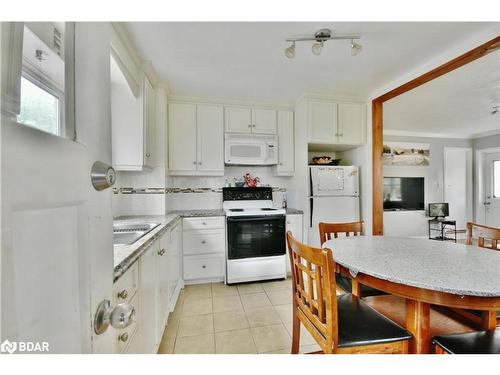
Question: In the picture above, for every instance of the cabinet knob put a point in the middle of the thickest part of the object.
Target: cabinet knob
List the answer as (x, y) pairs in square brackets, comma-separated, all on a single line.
[(194, 162), (148, 155), (161, 252), (204, 223), (123, 294), (203, 242), (123, 337), (203, 266), (249, 125), (341, 135), (199, 163)]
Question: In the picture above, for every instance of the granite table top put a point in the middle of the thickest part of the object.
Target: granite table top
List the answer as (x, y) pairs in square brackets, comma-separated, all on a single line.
[(423, 263)]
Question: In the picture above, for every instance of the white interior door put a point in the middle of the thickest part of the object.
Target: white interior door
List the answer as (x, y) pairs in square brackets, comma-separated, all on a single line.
[(491, 173), (458, 184), (57, 250)]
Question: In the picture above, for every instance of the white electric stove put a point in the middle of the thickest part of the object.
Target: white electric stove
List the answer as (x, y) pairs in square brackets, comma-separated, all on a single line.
[(256, 248)]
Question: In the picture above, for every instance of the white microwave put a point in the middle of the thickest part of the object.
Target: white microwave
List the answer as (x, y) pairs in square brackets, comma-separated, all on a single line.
[(250, 149)]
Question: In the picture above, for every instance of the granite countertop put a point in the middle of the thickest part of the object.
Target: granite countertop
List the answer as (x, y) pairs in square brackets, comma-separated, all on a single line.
[(126, 255), (423, 263)]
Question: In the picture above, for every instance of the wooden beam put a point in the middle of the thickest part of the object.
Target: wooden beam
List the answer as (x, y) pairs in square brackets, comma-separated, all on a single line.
[(378, 122), (378, 169)]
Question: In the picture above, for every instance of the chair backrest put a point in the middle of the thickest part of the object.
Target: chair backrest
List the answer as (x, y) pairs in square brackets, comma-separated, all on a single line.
[(314, 291), (488, 237), (327, 231)]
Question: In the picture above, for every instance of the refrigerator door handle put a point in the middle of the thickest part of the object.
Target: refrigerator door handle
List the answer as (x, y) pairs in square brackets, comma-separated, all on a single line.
[(311, 203)]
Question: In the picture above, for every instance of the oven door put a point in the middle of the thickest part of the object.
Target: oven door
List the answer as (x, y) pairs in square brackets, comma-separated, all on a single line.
[(255, 236)]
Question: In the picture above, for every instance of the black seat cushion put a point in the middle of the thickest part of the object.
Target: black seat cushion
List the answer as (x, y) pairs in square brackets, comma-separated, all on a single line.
[(482, 342), (479, 313), (345, 283), (360, 324)]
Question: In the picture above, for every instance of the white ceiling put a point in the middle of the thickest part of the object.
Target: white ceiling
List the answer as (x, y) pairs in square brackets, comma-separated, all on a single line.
[(246, 61), (458, 104)]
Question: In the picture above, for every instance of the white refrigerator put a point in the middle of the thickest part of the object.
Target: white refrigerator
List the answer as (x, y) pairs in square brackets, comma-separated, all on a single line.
[(334, 197)]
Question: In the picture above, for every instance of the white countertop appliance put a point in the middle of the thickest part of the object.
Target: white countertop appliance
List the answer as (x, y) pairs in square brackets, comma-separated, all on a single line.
[(250, 149), (334, 197), (256, 248)]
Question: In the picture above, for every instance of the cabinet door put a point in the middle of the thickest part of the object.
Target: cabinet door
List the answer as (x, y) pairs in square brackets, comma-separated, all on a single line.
[(149, 107), (293, 224), (210, 122), (286, 144), (163, 279), (238, 120), (322, 122), (174, 264), (351, 123), (263, 121), (182, 137), (148, 299)]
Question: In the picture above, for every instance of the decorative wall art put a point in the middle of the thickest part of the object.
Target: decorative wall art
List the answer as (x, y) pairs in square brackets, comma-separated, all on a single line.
[(406, 154)]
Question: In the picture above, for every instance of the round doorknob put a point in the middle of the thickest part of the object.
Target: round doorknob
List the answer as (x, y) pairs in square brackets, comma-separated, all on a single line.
[(119, 317)]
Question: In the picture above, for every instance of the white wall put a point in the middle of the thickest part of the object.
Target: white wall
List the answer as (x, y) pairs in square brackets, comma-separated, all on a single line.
[(363, 154)]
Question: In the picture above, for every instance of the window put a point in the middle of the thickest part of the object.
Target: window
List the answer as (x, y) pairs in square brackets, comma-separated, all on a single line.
[(496, 179), (39, 107)]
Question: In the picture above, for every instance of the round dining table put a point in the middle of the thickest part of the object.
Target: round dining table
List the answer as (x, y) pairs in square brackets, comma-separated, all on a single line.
[(424, 272)]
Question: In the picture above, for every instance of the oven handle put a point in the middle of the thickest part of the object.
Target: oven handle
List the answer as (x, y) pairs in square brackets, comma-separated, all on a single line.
[(255, 218)]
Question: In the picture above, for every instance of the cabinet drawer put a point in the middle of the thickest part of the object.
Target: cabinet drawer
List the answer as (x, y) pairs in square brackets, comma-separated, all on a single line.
[(216, 222), (203, 267), (203, 242), (124, 336), (126, 286)]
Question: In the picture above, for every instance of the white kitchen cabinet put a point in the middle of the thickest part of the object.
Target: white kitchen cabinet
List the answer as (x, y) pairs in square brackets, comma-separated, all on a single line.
[(182, 138), (322, 122), (133, 122), (163, 280), (286, 144), (203, 248), (196, 140), (336, 123), (238, 119), (294, 225), (250, 120), (351, 123), (174, 265), (210, 139), (263, 121), (148, 300)]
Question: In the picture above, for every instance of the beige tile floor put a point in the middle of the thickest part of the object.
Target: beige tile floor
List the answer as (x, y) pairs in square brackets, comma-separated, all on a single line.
[(238, 319)]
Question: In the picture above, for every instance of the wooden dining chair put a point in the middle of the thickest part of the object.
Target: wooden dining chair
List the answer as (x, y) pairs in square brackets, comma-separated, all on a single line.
[(329, 231), (339, 324), (489, 238), (483, 342)]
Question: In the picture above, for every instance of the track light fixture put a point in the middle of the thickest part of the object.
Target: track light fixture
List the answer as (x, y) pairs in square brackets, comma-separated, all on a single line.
[(319, 38)]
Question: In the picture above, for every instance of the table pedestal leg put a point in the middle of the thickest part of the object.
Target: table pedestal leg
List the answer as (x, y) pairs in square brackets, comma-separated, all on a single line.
[(418, 323), (488, 320)]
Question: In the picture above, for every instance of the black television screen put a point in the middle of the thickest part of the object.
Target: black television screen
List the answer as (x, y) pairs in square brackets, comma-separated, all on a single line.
[(403, 193), (438, 210)]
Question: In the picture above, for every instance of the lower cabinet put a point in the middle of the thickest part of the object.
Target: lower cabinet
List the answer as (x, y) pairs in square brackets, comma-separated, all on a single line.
[(152, 286), (203, 248), (293, 224)]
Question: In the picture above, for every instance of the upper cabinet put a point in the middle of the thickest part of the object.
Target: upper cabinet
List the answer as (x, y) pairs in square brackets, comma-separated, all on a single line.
[(336, 123), (250, 120), (195, 139), (133, 122), (286, 144)]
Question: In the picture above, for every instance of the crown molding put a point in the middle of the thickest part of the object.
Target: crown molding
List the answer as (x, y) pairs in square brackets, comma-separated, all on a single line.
[(405, 133), (229, 102), (330, 97)]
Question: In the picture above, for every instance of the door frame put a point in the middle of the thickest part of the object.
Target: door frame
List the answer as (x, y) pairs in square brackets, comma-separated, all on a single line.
[(378, 123), (479, 212)]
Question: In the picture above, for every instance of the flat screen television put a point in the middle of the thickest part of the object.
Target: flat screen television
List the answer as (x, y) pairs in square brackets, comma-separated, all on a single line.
[(403, 193), (438, 210)]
